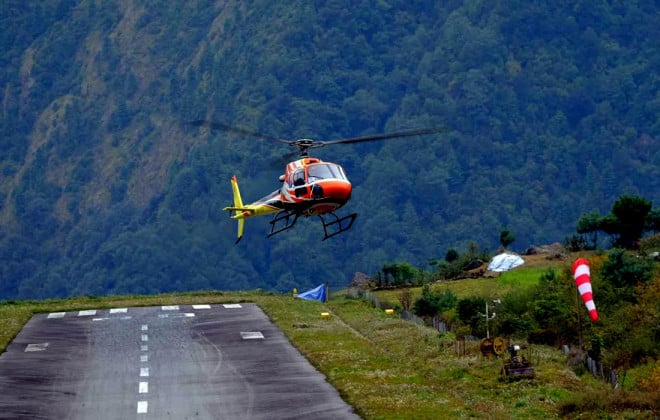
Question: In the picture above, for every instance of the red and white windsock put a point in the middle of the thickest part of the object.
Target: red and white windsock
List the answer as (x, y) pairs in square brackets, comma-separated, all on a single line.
[(582, 277)]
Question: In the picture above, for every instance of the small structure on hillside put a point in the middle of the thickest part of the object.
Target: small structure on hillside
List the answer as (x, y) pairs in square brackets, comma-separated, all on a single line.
[(517, 366), (505, 262)]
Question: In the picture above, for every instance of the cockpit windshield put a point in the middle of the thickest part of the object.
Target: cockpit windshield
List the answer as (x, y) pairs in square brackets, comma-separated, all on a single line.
[(324, 171)]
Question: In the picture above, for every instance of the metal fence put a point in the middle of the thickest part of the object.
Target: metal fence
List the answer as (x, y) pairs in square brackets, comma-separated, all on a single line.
[(602, 372)]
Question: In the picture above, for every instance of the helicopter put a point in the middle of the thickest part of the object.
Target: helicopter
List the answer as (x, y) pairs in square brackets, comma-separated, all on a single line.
[(310, 186)]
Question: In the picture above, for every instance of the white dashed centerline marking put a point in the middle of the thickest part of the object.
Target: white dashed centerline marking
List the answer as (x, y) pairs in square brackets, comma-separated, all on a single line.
[(142, 407), (251, 335), (56, 315), (89, 312), (201, 306), (143, 388), (170, 308), (232, 305)]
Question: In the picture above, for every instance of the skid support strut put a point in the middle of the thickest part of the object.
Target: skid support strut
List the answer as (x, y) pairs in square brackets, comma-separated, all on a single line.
[(285, 217), (337, 225)]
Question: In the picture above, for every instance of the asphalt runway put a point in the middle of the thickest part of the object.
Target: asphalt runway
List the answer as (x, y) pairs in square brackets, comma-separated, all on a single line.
[(187, 362)]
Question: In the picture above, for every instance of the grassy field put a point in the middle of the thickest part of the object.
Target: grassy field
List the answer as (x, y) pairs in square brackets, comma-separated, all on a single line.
[(493, 287), (387, 368)]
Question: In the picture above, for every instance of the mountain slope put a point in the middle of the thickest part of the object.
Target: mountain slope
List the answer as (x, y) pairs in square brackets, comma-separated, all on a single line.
[(552, 112)]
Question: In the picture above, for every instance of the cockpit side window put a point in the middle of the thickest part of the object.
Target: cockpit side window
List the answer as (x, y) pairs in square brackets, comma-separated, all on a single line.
[(299, 177)]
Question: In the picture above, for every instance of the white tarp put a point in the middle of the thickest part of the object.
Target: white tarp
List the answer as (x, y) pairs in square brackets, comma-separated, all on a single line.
[(505, 262)]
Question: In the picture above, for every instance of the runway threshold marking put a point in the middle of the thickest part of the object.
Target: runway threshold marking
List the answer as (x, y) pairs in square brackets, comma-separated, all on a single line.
[(118, 310), (36, 347), (177, 315)]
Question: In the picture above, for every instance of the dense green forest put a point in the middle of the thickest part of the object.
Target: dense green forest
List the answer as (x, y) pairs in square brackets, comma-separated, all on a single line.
[(552, 111)]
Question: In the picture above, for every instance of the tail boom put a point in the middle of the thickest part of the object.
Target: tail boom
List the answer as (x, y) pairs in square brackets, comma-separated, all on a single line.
[(243, 211)]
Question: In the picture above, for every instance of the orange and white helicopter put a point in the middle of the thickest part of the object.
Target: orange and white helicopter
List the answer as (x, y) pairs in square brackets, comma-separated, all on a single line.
[(310, 186)]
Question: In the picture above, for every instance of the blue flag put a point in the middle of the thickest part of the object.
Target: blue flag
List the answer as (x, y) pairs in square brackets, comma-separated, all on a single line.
[(317, 293)]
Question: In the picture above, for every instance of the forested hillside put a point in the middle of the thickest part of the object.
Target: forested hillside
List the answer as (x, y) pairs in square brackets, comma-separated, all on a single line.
[(552, 110)]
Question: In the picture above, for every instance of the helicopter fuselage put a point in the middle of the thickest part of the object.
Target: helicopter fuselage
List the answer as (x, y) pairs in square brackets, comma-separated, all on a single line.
[(310, 187)]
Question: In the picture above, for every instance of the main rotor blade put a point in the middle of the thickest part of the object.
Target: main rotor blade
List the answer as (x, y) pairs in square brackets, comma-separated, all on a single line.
[(399, 134), (214, 125)]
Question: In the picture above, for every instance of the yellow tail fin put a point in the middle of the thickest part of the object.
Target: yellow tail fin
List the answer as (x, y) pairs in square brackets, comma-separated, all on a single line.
[(238, 203)]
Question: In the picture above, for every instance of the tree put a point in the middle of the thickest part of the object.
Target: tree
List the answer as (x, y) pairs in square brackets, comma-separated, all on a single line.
[(653, 221), (623, 273), (470, 311), (506, 238), (589, 223), (398, 274), (432, 303), (451, 255), (630, 213)]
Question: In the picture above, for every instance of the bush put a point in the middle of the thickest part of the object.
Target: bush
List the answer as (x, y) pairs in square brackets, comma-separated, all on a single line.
[(432, 303)]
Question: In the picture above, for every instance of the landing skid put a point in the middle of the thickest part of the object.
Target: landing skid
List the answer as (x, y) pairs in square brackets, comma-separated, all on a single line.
[(285, 217), (338, 224), (285, 220)]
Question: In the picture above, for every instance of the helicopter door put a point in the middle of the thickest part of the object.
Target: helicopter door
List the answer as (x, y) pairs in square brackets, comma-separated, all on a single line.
[(299, 183)]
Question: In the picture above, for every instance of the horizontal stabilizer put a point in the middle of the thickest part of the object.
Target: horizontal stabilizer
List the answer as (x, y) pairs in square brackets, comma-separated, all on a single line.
[(249, 209)]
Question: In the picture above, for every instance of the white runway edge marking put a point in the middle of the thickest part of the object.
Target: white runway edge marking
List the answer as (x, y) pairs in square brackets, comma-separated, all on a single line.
[(170, 308), (143, 388), (142, 407), (232, 305), (201, 306), (56, 315), (144, 372), (36, 347), (251, 335), (118, 310), (87, 313)]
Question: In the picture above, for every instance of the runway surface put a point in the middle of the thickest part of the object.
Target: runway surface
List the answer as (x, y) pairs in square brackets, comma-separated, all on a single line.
[(187, 362)]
